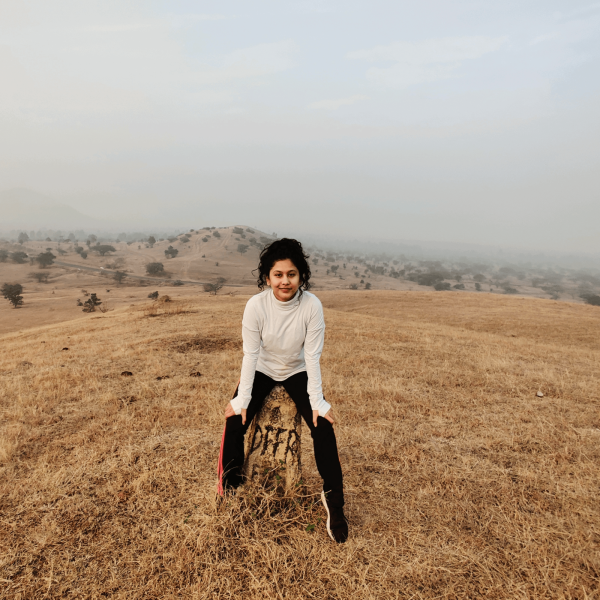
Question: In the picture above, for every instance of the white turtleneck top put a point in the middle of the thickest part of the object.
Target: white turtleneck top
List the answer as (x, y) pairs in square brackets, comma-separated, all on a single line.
[(280, 340)]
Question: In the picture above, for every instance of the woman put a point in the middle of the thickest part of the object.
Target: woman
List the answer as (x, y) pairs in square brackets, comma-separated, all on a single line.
[(283, 330)]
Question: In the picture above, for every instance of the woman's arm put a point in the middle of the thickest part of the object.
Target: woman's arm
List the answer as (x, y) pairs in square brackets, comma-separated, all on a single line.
[(313, 347), (251, 339)]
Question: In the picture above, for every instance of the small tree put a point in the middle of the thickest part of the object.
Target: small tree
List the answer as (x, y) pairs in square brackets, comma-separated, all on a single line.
[(83, 255), (19, 257), (367, 286), (23, 237), (91, 303), (154, 268), (242, 248), (45, 259), (40, 277), (119, 276), (238, 230), (478, 287), (151, 241), (213, 288), (171, 252), (12, 292), (216, 234), (3, 255), (103, 249)]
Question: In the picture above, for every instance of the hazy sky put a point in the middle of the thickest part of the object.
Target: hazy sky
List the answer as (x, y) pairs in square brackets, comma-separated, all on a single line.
[(473, 121)]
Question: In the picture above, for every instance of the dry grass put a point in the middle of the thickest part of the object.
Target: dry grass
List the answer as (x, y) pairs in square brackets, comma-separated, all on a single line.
[(461, 483)]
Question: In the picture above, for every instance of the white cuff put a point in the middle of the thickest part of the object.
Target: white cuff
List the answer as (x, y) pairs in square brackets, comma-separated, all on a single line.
[(237, 405), (324, 408)]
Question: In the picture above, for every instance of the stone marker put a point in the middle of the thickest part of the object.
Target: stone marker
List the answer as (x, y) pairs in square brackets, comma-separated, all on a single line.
[(274, 436)]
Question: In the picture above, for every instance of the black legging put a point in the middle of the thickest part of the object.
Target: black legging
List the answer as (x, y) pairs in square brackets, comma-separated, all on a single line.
[(326, 453)]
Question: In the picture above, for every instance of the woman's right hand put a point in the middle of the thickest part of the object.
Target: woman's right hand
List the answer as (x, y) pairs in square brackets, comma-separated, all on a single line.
[(229, 412)]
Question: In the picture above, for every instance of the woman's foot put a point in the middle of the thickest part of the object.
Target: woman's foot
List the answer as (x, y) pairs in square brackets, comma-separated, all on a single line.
[(337, 524)]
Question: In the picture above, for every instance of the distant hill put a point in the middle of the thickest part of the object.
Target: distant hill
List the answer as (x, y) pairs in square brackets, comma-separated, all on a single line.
[(27, 209)]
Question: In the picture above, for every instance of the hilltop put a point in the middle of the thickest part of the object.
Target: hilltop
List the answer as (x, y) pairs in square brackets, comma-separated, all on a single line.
[(461, 480), (86, 263)]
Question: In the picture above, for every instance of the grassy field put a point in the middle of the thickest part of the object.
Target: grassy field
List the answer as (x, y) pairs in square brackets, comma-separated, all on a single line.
[(461, 482)]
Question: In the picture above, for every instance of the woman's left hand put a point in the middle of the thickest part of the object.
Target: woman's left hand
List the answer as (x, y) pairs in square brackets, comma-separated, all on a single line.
[(328, 416)]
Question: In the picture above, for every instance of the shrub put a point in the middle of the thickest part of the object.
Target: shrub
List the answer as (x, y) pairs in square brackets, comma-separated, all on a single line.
[(250, 230), (154, 268), (205, 239), (242, 248), (91, 303), (238, 230), (19, 257), (45, 259), (441, 286), (459, 286), (119, 276), (353, 286), (78, 249), (12, 292), (153, 295), (171, 252), (84, 255), (509, 290), (213, 288), (478, 287), (178, 282), (367, 286), (3, 255), (216, 234), (40, 277), (431, 278), (592, 299)]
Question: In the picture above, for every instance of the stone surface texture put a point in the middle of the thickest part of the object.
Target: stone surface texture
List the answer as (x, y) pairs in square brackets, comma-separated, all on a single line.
[(273, 441)]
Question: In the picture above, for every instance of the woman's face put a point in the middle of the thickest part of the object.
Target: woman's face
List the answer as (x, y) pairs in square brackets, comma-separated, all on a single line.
[(284, 279)]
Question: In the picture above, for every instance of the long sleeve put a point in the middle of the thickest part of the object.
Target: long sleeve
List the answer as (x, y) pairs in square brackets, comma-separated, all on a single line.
[(313, 347), (251, 344)]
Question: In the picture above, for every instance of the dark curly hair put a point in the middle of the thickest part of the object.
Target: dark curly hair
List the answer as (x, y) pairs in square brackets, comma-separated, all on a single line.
[(285, 248)]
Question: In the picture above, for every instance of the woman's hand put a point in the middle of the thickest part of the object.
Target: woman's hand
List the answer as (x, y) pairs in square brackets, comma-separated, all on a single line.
[(229, 412), (328, 416)]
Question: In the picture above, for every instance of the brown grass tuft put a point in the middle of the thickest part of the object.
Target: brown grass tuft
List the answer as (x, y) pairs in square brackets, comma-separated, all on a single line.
[(460, 481)]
